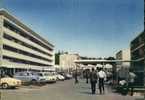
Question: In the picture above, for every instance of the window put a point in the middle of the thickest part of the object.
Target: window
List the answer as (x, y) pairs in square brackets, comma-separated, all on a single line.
[(21, 61), (6, 36), (12, 27)]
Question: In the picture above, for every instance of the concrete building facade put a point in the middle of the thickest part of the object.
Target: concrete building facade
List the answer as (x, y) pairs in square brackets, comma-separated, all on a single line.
[(21, 48), (123, 55), (67, 61), (138, 54), (123, 67)]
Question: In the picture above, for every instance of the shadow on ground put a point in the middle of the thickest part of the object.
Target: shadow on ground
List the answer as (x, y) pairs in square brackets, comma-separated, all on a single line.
[(85, 92), (140, 99), (89, 93), (83, 87)]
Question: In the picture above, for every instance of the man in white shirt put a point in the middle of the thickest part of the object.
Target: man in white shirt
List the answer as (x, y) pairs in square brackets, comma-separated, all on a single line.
[(102, 77), (131, 80)]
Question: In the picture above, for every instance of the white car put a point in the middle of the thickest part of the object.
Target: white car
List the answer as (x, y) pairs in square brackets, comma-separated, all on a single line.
[(8, 82), (68, 76), (60, 77), (47, 76), (42, 77), (27, 76), (50, 77)]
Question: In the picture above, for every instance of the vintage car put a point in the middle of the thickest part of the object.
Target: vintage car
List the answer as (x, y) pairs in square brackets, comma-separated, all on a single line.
[(47, 76), (8, 82), (59, 77), (51, 78), (29, 77)]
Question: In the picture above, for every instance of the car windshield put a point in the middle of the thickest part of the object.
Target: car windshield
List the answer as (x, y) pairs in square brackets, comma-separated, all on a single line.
[(40, 74), (49, 74)]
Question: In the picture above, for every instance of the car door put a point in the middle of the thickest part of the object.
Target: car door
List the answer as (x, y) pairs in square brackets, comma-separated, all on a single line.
[(19, 76), (25, 77), (29, 77)]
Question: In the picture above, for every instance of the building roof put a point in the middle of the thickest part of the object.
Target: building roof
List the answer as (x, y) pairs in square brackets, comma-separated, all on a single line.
[(101, 61)]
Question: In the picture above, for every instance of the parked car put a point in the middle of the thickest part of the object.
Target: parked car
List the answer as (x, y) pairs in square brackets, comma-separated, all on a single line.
[(28, 76), (49, 78), (8, 82), (42, 77), (60, 77), (66, 75)]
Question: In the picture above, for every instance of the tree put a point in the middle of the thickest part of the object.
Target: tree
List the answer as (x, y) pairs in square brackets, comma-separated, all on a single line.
[(57, 55), (110, 58)]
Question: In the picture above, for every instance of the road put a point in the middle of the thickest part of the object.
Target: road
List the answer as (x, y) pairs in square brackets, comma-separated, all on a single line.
[(65, 90)]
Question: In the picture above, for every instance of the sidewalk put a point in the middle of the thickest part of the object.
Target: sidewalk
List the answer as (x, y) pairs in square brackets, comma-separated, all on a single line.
[(109, 94)]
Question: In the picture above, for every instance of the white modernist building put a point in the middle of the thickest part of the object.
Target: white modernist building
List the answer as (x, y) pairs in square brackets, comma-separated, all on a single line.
[(21, 48), (123, 55), (123, 67), (67, 61)]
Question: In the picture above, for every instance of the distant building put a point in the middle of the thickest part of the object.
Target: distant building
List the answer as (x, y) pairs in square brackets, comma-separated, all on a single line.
[(138, 54), (66, 61), (21, 48), (123, 67), (123, 55)]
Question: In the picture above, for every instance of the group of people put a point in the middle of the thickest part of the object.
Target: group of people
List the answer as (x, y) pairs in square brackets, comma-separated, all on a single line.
[(99, 77), (95, 76)]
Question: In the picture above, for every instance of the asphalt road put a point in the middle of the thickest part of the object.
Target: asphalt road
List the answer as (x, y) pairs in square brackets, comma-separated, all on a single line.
[(65, 90)]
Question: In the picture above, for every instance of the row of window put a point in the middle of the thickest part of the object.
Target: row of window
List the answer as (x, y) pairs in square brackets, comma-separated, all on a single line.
[(6, 47), (138, 53), (6, 36), (138, 41), (25, 35), (137, 66), (21, 61)]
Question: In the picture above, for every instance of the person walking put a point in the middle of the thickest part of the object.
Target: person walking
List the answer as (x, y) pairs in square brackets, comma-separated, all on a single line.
[(131, 80), (93, 80), (76, 76), (102, 77), (87, 75)]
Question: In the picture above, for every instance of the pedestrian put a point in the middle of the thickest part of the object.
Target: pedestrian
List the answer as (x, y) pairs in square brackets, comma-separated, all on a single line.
[(87, 75), (93, 80), (131, 80), (102, 77), (76, 76)]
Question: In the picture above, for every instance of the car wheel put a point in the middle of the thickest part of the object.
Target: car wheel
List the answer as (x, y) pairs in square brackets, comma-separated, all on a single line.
[(5, 86), (33, 81)]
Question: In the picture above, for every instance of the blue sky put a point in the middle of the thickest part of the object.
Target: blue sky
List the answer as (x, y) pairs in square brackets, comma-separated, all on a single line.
[(94, 28)]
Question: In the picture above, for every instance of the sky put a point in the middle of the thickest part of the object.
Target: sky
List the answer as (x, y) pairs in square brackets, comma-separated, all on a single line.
[(93, 28)]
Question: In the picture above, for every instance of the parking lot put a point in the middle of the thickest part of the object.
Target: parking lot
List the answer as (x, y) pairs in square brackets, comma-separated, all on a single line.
[(61, 90)]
